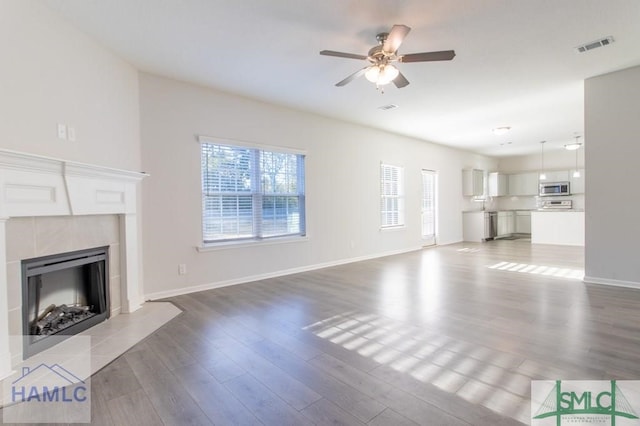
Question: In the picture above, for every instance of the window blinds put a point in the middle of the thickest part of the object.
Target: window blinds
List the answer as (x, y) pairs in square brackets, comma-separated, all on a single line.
[(391, 196), (250, 193)]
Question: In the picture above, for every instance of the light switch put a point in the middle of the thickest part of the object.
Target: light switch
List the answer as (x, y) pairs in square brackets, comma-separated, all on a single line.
[(62, 131), (71, 133)]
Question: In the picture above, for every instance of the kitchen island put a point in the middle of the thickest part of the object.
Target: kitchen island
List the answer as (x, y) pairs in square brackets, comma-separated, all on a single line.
[(564, 227)]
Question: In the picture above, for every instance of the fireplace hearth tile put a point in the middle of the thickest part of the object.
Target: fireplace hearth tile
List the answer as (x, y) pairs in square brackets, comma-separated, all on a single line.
[(14, 285), (112, 338), (21, 238), (53, 235), (114, 260), (91, 231), (115, 293)]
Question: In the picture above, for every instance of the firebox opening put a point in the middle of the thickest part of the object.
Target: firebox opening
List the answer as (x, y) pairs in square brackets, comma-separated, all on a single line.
[(63, 295)]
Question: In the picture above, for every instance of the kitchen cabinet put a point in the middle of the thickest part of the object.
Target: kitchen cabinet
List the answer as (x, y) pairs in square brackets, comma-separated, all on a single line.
[(577, 183), (523, 184), (475, 226), (498, 184), (472, 182), (505, 224), (523, 222), (563, 228), (557, 176)]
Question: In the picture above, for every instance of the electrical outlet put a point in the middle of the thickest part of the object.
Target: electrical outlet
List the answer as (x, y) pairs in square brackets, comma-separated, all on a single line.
[(71, 133), (182, 269), (62, 131)]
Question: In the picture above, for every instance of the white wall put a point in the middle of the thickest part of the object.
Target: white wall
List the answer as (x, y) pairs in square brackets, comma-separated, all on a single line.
[(342, 186), (612, 112), (51, 73)]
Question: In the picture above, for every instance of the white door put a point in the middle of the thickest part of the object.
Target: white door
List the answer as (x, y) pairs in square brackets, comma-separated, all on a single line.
[(429, 178)]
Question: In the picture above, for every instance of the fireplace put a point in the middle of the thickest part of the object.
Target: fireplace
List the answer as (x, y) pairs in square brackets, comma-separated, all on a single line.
[(50, 205), (63, 294)]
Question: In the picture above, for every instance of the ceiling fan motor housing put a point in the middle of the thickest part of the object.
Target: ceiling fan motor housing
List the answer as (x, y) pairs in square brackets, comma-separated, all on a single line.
[(376, 54), (382, 37)]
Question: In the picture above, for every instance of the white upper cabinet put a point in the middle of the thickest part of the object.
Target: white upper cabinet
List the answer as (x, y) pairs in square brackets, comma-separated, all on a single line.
[(472, 182), (498, 184), (523, 184), (557, 176)]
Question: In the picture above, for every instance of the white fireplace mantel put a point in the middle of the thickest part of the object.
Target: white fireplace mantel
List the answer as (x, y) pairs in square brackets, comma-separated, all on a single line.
[(33, 185)]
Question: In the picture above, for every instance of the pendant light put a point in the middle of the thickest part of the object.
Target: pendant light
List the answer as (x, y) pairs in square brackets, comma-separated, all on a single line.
[(543, 176), (576, 144)]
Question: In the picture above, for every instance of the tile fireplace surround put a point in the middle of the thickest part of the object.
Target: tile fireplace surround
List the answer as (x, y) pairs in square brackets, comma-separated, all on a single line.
[(50, 206)]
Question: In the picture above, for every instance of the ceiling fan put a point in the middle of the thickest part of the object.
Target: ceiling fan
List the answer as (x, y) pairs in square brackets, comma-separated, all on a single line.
[(382, 71)]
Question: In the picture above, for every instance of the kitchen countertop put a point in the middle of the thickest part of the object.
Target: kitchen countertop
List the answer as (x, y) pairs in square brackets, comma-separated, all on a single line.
[(559, 210), (496, 211), (525, 210)]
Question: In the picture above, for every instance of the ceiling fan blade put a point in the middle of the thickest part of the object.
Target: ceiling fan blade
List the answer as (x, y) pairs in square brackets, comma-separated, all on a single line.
[(352, 77), (342, 54), (395, 37), (400, 81), (443, 55)]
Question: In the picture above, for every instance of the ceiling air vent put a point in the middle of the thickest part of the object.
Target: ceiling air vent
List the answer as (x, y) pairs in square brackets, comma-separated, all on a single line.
[(388, 107), (594, 44)]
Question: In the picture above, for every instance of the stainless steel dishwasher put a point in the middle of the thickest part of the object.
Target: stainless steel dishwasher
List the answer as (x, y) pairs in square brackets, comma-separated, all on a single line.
[(490, 225)]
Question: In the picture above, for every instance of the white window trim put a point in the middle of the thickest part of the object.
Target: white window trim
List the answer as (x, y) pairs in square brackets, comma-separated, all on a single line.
[(253, 242), (401, 196), (251, 145), (224, 245)]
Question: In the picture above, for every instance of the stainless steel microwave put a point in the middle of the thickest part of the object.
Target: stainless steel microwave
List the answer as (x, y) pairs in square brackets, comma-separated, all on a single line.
[(554, 188)]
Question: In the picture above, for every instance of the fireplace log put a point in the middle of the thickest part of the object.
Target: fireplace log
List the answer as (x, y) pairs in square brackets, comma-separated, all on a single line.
[(45, 312), (60, 317)]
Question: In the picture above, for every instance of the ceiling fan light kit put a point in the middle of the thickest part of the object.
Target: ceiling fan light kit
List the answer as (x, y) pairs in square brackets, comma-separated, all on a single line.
[(381, 75), (382, 71)]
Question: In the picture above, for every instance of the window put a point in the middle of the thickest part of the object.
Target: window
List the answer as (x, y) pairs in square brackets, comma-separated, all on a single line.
[(429, 207), (391, 196), (250, 193)]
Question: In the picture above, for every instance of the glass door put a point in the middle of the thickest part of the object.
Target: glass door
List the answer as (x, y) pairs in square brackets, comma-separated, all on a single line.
[(429, 179)]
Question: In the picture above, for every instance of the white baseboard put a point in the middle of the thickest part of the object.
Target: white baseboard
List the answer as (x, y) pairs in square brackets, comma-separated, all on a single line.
[(612, 282), (242, 280)]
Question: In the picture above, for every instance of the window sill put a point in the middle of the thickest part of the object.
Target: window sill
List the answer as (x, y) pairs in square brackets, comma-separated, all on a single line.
[(252, 243), (393, 228)]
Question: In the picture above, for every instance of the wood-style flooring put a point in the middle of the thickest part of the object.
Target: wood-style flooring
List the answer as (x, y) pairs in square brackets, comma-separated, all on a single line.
[(450, 335)]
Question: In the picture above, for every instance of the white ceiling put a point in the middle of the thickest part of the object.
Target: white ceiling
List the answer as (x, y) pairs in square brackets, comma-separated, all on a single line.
[(515, 64)]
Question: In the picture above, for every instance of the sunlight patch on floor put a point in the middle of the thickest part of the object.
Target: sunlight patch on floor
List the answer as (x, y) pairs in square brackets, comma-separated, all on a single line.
[(468, 250), (568, 273), (477, 374)]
